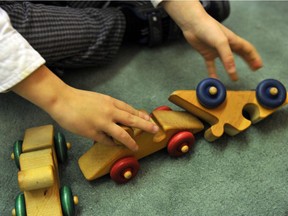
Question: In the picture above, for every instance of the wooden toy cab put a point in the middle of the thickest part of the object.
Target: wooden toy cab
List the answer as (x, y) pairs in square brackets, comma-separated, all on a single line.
[(176, 132), (36, 157), (223, 110)]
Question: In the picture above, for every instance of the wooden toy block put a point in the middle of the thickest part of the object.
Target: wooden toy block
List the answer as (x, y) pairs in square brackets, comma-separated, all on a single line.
[(38, 138), (40, 200), (176, 132), (37, 158), (32, 179), (227, 114)]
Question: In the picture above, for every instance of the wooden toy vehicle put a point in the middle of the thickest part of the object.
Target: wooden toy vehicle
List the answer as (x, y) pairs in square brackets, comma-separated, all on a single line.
[(36, 157), (176, 132), (223, 110)]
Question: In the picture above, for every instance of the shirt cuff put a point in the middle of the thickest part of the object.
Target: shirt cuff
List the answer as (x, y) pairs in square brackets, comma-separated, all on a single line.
[(18, 59), (156, 2)]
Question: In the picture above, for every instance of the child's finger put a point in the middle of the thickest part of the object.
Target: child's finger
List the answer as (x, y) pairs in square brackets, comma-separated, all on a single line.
[(244, 49), (103, 139), (227, 59), (126, 107), (249, 53), (131, 120), (118, 133), (211, 68)]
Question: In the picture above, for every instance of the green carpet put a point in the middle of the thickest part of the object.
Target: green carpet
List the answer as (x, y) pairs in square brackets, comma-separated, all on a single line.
[(241, 175)]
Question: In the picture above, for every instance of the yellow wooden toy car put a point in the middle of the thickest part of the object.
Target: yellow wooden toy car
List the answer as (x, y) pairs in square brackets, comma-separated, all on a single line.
[(224, 109), (36, 157), (176, 133)]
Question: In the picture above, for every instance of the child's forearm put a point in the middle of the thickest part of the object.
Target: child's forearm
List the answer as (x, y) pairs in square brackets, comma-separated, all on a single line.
[(184, 13), (43, 88)]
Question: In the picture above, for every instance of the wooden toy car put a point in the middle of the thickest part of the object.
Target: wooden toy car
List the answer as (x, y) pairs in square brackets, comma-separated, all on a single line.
[(224, 109), (176, 132), (36, 157)]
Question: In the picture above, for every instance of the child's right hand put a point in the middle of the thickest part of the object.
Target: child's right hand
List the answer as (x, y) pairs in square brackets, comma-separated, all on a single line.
[(210, 38)]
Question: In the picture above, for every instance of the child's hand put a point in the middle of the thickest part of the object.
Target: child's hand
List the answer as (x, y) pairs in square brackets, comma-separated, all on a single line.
[(210, 38), (95, 115), (89, 114)]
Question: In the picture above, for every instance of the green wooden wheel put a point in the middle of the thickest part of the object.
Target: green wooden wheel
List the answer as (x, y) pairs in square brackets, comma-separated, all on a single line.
[(17, 150), (20, 207), (60, 147), (67, 202)]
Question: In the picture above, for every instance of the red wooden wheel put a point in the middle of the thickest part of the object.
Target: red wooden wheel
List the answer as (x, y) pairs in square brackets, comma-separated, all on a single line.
[(180, 143), (124, 169), (164, 107)]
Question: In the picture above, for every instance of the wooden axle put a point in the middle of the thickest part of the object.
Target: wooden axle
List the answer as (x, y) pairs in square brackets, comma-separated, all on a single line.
[(32, 179)]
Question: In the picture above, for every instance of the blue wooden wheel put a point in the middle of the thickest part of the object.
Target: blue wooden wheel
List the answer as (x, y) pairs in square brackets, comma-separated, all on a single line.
[(271, 93), (20, 207), (211, 93), (17, 150), (61, 147), (67, 202)]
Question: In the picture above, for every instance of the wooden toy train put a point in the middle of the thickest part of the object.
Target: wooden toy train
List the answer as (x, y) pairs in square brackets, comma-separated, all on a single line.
[(211, 102), (37, 156)]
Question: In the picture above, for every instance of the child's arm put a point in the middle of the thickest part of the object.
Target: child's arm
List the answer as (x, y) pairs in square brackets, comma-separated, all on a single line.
[(89, 114), (210, 38)]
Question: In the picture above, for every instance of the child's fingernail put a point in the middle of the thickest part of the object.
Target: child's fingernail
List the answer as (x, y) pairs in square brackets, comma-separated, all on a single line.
[(256, 64), (155, 128), (234, 76), (135, 148), (147, 117)]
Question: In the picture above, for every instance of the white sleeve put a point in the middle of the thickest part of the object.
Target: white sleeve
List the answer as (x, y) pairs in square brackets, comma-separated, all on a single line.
[(17, 58), (156, 2)]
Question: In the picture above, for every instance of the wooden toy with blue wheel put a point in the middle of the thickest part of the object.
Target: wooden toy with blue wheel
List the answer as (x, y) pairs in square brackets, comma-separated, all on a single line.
[(37, 159), (223, 109), (175, 134)]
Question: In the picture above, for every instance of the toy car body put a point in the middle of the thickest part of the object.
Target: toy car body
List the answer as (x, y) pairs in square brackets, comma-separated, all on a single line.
[(38, 176), (176, 132), (224, 109)]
